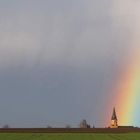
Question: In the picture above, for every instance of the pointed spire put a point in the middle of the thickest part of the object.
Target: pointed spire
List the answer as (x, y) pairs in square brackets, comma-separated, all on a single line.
[(114, 116)]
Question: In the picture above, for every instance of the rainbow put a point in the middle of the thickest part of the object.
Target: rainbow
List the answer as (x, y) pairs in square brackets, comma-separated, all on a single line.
[(128, 92)]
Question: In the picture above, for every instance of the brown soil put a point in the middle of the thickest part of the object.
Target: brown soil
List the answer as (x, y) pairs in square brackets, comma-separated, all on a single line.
[(69, 130)]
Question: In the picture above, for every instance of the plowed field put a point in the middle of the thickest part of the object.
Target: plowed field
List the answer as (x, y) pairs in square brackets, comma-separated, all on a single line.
[(68, 136)]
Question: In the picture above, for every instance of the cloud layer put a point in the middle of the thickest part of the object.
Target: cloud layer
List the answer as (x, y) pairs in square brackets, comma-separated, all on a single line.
[(59, 60)]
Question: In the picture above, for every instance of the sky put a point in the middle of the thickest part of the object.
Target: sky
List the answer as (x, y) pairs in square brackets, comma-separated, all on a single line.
[(60, 60)]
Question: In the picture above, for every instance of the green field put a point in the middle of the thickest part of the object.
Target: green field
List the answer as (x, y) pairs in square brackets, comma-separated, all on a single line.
[(58, 136)]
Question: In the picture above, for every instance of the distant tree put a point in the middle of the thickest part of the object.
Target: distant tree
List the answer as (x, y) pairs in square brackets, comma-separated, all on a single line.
[(6, 126), (68, 126), (83, 124), (49, 126), (88, 126)]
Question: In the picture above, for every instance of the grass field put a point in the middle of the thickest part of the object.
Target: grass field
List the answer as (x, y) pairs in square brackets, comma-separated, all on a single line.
[(65, 136)]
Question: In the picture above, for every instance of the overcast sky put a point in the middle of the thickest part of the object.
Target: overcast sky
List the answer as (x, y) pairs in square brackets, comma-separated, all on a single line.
[(60, 59)]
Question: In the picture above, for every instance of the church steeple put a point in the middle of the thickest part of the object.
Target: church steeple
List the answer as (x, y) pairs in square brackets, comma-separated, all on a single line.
[(114, 120), (114, 116)]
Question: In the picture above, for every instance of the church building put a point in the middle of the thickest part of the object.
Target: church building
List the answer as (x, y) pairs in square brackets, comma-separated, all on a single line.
[(114, 120)]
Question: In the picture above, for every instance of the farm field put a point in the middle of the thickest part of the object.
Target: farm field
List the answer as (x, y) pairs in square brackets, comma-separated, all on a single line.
[(68, 136)]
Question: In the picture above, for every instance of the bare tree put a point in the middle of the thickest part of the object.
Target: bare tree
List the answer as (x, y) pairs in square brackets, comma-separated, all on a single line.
[(49, 126), (68, 126), (83, 124), (6, 126), (88, 126)]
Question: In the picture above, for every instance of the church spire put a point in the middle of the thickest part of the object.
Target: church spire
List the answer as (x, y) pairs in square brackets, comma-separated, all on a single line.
[(114, 116), (114, 121)]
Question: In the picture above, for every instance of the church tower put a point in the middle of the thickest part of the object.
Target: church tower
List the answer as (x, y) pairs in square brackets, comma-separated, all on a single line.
[(114, 120)]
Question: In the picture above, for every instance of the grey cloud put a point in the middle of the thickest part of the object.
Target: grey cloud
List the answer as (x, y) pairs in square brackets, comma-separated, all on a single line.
[(63, 54)]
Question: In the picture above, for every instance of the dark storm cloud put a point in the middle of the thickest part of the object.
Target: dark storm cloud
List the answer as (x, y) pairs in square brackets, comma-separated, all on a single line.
[(58, 60)]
